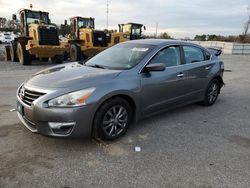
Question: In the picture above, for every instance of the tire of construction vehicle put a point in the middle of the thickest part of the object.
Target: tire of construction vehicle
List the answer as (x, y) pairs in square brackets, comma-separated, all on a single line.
[(24, 56), (6, 53), (58, 59), (44, 59), (75, 52), (13, 54)]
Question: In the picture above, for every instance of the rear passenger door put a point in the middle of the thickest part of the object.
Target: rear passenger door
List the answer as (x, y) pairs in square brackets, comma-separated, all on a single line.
[(199, 66)]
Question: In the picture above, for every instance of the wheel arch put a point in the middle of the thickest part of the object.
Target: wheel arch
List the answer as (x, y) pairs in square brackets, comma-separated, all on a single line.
[(127, 97), (219, 78)]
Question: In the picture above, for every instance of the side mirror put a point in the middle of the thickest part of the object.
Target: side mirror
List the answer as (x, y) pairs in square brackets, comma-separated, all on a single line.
[(65, 22), (13, 17), (144, 27), (155, 67)]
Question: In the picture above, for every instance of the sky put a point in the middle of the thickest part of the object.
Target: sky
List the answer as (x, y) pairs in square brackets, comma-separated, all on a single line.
[(179, 18)]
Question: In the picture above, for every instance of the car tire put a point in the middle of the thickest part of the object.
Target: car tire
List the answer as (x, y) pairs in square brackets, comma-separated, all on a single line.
[(112, 119), (24, 56), (212, 93), (75, 52)]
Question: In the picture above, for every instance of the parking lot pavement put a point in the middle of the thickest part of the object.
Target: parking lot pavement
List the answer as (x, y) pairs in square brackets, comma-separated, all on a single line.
[(193, 146)]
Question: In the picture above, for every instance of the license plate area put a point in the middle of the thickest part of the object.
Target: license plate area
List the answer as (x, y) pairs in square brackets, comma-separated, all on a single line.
[(20, 108)]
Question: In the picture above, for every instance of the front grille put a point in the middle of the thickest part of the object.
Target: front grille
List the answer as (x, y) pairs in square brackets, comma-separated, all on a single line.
[(28, 96), (99, 39), (48, 36)]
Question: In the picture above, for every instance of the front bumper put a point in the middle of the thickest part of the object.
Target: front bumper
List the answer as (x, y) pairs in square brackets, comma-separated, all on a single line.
[(46, 50), (38, 118)]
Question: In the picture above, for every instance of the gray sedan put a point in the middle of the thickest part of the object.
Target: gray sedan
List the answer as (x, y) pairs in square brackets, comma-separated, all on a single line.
[(104, 95)]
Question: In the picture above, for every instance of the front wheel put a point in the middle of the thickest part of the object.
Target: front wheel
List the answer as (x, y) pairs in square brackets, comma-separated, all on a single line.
[(112, 119), (23, 55), (75, 52), (212, 93)]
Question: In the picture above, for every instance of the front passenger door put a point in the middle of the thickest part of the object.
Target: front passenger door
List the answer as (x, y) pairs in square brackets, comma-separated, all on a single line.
[(163, 89)]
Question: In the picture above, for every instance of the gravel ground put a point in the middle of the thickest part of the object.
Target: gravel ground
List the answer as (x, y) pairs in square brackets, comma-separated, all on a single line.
[(193, 146)]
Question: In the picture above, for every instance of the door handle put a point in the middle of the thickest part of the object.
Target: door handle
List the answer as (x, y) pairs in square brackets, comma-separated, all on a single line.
[(208, 67), (180, 75)]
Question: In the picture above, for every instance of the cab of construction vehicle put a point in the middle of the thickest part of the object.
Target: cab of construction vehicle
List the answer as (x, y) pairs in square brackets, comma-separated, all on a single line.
[(85, 40), (77, 23), (28, 17), (36, 24), (133, 29)]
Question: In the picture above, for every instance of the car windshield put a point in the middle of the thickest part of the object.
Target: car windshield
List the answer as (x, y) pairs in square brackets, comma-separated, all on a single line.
[(123, 56)]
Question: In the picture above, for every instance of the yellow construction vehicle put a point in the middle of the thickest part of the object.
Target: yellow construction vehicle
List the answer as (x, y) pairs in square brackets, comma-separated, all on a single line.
[(85, 41), (134, 30), (39, 39)]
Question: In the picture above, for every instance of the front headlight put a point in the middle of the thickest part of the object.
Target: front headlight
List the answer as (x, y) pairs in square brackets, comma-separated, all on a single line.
[(77, 98)]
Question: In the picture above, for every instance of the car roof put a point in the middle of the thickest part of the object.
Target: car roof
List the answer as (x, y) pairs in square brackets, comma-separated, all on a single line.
[(159, 42)]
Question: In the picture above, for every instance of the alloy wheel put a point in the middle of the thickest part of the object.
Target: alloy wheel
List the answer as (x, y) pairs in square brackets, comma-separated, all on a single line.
[(115, 120), (213, 92)]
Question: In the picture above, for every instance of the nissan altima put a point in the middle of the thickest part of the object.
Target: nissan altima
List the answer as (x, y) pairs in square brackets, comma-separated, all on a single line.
[(104, 95)]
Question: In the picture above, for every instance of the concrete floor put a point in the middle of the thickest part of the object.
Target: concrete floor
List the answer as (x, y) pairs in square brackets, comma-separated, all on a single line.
[(193, 146)]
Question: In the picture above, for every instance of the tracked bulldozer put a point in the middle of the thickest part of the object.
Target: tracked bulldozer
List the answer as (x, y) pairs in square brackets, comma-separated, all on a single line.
[(39, 39)]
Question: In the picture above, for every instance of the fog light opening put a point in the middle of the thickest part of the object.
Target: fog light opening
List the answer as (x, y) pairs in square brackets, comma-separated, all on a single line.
[(61, 128)]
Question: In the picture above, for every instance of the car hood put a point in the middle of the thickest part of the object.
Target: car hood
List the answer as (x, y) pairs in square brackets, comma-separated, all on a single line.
[(70, 74)]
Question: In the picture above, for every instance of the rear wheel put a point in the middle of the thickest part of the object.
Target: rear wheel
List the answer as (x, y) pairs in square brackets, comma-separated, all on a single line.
[(212, 93), (13, 54), (58, 59), (6, 53), (112, 119), (75, 52), (23, 55)]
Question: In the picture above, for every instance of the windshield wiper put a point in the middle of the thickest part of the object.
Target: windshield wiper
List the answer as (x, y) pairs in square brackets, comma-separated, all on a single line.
[(95, 65)]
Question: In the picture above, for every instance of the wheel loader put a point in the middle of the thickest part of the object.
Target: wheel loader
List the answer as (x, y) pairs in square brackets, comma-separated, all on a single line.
[(85, 41), (134, 30), (39, 39)]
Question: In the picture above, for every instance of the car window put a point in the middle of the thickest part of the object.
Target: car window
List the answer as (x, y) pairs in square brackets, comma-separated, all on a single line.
[(193, 54), (169, 56)]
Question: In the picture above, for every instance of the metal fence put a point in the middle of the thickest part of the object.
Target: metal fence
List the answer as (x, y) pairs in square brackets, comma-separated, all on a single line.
[(227, 47)]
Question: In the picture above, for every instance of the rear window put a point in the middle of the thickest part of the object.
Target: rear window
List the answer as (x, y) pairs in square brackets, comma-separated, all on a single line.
[(193, 54)]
